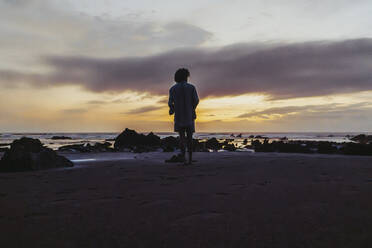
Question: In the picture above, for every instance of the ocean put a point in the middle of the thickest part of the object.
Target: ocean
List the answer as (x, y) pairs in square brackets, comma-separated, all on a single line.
[(81, 138)]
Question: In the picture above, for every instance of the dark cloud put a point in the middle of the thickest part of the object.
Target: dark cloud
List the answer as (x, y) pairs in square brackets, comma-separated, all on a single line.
[(279, 70), (143, 110)]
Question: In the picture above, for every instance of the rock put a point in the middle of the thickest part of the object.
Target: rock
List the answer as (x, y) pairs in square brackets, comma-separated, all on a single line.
[(74, 148), (170, 143), (27, 154), (131, 139), (213, 144), (61, 138), (326, 148), (4, 144), (97, 147), (3, 149), (229, 147), (251, 136), (153, 140), (356, 149), (102, 147), (232, 135), (198, 146), (239, 135), (362, 138), (245, 141)]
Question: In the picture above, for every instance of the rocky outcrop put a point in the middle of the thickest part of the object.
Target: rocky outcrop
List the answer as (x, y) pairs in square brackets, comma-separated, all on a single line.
[(130, 139), (324, 147), (27, 154)]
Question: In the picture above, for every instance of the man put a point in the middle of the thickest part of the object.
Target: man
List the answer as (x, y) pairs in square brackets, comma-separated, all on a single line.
[(183, 100)]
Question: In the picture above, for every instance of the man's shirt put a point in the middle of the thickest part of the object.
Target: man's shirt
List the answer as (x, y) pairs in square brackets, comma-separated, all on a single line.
[(183, 100)]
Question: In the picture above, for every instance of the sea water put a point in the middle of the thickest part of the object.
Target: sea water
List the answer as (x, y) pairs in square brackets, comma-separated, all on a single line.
[(92, 138)]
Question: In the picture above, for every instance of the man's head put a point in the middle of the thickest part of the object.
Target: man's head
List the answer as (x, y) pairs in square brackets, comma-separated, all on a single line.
[(181, 75)]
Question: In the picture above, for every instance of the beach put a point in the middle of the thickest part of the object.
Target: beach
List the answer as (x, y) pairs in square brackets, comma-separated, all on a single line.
[(225, 199)]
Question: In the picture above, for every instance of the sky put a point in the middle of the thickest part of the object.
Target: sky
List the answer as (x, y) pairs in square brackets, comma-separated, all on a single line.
[(258, 65)]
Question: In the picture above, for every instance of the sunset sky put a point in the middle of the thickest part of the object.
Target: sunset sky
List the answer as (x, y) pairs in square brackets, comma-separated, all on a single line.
[(258, 65)]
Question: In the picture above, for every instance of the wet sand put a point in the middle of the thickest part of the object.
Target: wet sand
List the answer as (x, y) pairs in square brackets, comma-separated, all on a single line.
[(224, 200)]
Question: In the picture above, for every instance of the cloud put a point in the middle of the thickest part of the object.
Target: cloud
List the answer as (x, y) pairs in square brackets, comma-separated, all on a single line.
[(278, 70), (143, 110), (74, 111), (96, 102), (326, 111), (33, 28)]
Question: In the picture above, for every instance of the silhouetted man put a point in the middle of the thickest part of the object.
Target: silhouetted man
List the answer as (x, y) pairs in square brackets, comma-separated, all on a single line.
[(183, 100)]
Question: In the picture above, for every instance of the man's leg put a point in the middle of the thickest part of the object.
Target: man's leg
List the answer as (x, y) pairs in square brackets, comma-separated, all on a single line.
[(182, 141), (189, 144)]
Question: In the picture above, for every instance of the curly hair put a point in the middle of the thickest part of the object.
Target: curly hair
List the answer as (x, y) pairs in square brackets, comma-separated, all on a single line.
[(181, 75)]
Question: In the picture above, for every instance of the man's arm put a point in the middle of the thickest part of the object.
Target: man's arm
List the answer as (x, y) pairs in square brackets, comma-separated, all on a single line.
[(195, 102), (195, 99), (171, 103)]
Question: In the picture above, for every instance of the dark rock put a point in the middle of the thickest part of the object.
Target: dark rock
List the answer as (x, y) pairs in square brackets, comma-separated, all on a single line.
[(140, 149), (28, 154), (97, 147), (4, 144), (356, 149), (131, 139), (61, 138), (326, 148), (198, 146), (102, 147), (74, 148), (362, 138), (232, 135), (245, 141), (3, 149), (153, 140), (170, 143), (239, 135), (213, 144), (251, 136), (229, 147)]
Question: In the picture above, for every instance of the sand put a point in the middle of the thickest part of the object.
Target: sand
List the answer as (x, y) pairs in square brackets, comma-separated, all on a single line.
[(225, 200)]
